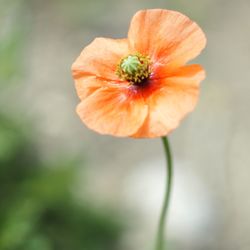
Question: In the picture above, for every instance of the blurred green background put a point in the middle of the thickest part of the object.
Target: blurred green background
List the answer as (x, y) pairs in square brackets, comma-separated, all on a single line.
[(63, 187)]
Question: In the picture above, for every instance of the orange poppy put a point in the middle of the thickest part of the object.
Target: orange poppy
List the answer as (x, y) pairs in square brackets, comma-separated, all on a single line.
[(141, 86)]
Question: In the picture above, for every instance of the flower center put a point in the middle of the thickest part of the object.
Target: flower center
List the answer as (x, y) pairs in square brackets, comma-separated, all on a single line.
[(134, 68)]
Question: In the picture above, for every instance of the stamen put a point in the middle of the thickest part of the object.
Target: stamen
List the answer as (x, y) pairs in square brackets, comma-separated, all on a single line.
[(134, 68)]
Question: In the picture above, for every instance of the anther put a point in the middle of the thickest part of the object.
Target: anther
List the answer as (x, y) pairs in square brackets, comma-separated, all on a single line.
[(134, 68)]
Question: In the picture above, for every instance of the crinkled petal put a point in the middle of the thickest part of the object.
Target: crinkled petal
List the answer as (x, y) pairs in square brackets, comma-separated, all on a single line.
[(100, 58), (115, 111), (170, 103), (87, 85), (168, 37), (187, 74)]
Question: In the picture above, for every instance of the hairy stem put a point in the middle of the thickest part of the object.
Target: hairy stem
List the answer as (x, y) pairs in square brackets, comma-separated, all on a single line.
[(169, 171)]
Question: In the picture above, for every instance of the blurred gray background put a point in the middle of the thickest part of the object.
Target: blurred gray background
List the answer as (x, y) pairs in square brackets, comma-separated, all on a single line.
[(210, 209)]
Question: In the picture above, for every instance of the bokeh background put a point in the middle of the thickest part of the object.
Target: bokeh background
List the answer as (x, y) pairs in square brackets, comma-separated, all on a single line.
[(63, 187)]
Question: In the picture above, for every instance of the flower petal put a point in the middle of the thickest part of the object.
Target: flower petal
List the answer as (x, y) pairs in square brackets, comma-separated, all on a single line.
[(113, 110), (168, 37), (87, 85), (100, 58), (188, 74), (169, 104)]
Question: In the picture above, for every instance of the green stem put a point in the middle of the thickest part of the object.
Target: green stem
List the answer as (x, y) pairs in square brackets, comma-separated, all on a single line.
[(161, 226)]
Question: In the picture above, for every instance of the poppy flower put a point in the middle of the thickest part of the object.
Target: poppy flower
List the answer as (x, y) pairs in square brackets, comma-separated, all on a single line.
[(141, 86)]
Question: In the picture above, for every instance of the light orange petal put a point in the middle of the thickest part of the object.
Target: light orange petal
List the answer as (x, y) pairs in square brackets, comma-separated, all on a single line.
[(168, 105), (87, 85), (188, 74), (168, 37), (113, 110), (100, 58)]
